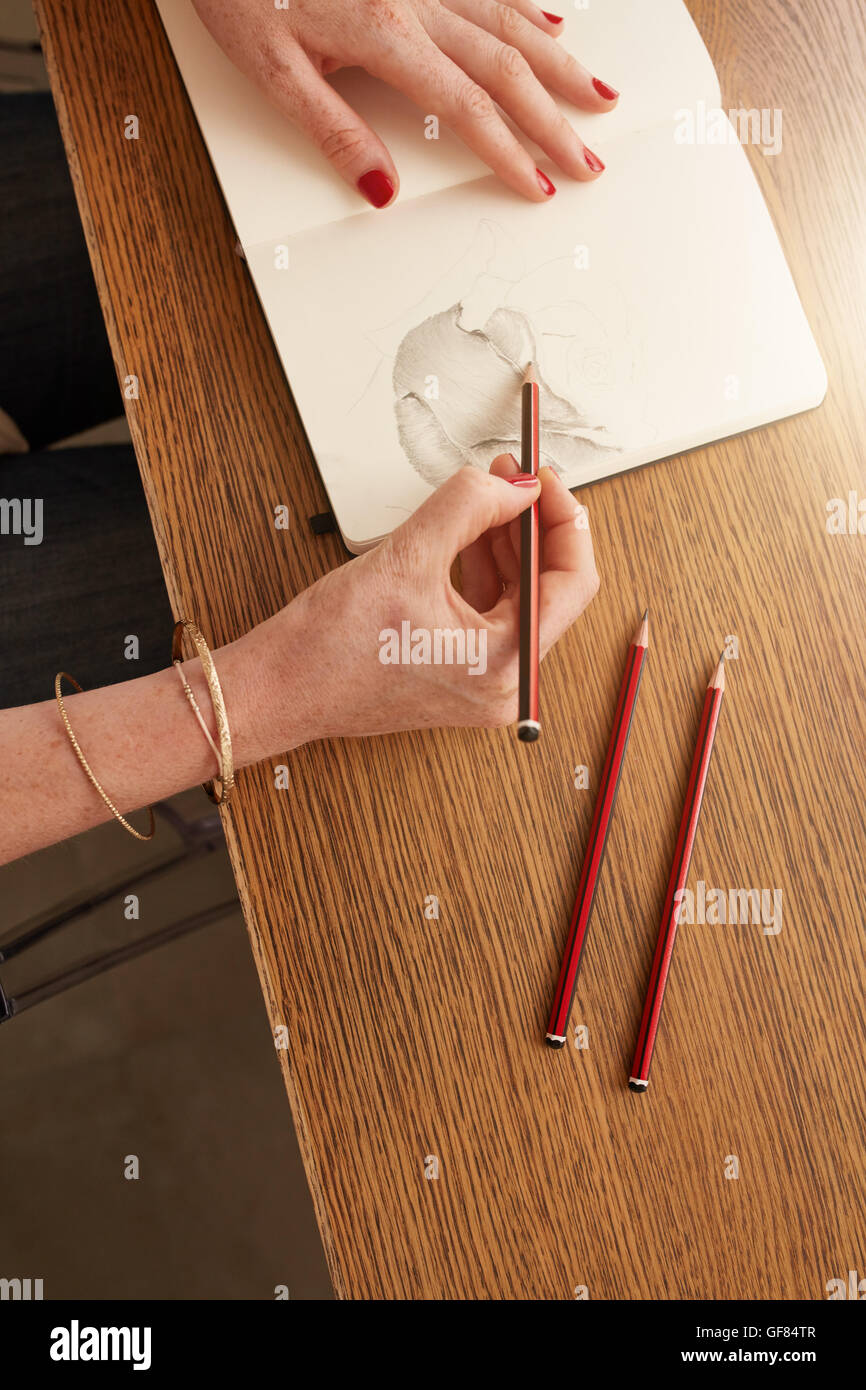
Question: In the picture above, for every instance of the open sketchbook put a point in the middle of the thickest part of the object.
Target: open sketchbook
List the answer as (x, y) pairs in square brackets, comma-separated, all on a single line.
[(655, 302)]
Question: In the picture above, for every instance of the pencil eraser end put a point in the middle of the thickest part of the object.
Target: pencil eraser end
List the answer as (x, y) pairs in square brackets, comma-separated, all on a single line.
[(553, 1041), (639, 1086), (528, 730)]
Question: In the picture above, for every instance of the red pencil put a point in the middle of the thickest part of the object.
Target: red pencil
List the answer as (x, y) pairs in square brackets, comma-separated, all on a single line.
[(652, 1009), (598, 831), (528, 727)]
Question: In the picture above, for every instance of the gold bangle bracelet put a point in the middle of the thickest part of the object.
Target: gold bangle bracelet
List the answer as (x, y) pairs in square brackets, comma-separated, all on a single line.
[(193, 703), (218, 790), (58, 679)]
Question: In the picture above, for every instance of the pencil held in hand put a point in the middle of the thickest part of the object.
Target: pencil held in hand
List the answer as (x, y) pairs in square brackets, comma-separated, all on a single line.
[(649, 1024), (528, 727), (601, 819)]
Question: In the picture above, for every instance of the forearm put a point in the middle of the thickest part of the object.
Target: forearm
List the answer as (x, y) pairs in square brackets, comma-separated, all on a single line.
[(142, 741), (316, 668)]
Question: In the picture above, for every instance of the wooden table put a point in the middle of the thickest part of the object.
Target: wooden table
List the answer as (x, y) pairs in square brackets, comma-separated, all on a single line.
[(412, 1037)]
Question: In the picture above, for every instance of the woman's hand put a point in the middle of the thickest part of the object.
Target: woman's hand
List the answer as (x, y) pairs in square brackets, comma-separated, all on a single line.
[(455, 59), (315, 669), (358, 650)]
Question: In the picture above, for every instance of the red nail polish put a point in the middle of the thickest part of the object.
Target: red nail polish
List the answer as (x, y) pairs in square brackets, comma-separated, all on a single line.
[(376, 187), (609, 93), (592, 160), (524, 480), (552, 18), (547, 188)]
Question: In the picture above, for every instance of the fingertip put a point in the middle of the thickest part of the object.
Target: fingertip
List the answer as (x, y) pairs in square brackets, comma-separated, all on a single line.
[(586, 166), (380, 187), (504, 466), (552, 483), (608, 94), (547, 186)]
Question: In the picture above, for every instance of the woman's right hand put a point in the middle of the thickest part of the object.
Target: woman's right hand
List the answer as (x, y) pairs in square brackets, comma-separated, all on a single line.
[(322, 659), (314, 670)]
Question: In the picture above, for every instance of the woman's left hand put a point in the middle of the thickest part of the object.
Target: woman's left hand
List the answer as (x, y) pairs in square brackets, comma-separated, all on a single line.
[(459, 60)]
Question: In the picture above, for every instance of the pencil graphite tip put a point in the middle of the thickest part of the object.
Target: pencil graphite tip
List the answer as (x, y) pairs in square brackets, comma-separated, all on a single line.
[(718, 681), (530, 374), (641, 637)]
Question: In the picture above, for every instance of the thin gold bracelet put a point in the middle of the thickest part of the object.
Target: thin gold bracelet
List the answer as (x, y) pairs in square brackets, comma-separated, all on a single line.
[(58, 679), (218, 790), (193, 704)]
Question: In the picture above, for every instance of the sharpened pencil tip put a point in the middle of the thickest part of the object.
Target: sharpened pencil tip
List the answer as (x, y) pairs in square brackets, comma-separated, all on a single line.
[(641, 637), (718, 681), (530, 374)]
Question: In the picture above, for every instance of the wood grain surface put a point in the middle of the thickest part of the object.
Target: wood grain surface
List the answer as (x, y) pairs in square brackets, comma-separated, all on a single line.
[(412, 1037)]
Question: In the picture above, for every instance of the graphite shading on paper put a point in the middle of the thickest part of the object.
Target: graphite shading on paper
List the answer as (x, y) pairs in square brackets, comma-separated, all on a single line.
[(458, 367)]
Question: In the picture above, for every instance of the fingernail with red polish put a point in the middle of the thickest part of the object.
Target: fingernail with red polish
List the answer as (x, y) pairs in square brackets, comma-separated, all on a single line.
[(376, 187), (524, 480), (609, 93), (592, 160), (547, 188), (552, 18)]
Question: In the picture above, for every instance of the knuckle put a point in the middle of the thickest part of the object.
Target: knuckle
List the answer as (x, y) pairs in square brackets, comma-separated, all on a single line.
[(511, 63), (569, 69), (562, 127), (274, 69), (511, 23), (389, 24), (473, 103), (392, 614), (343, 145), (585, 589), (585, 592), (385, 14)]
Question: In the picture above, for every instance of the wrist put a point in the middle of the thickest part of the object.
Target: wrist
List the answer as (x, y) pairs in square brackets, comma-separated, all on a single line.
[(261, 677)]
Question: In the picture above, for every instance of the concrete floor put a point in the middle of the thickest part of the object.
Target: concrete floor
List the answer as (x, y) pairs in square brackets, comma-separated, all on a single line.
[(168, 1057)]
